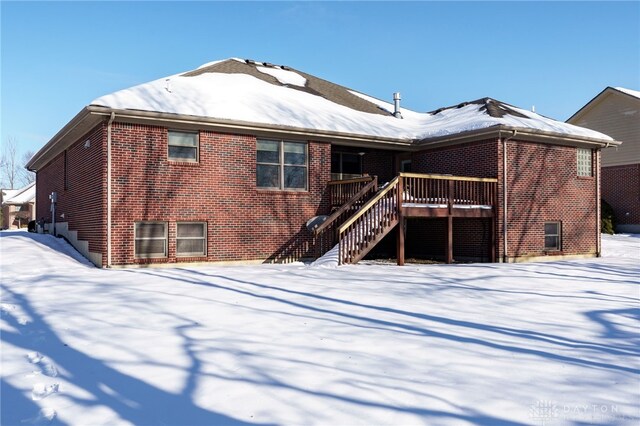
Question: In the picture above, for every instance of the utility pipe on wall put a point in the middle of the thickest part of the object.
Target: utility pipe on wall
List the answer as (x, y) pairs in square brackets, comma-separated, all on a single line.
[(113, 116)]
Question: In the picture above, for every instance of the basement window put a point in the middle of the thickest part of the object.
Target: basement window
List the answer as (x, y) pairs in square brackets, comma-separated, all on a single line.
[(191, 239), (584, 162), (281, 165), (552, 234), (150, 239), (183, 146)]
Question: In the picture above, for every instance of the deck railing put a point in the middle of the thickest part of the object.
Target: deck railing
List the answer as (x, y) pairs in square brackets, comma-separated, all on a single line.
[(449, 190), (341, 191), (365, 217)]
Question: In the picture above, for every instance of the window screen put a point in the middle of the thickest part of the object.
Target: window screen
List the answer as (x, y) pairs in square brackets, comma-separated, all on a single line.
[(150, 239), (183, 146), (552, 236), (281, 165), (191, 239)]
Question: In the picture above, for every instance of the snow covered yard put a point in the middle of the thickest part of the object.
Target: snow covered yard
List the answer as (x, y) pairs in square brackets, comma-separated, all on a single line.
[(540, 343)]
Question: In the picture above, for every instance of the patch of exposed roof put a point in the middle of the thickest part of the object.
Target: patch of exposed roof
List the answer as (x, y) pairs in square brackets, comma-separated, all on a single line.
[(240, 90), (269, 73)]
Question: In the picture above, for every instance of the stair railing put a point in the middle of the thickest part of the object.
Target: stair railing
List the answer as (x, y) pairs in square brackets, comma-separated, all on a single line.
[(326, 232), (341, 191), (372, 221)]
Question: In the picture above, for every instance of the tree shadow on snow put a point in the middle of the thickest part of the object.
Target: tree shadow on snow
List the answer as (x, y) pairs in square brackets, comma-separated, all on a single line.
[(133, 400), (354, 314)]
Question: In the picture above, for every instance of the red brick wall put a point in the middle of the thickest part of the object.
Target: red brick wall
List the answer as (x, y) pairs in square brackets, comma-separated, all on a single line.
[(475, 159), (83, 200), (381, 164), (243, 223), (621, 189), (543, 186), (471, 238)]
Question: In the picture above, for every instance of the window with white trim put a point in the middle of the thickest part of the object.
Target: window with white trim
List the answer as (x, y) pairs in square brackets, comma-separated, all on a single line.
[(191, 239), (182, 146), (552, 236), (584, 162), (150, 239), (281, 165)]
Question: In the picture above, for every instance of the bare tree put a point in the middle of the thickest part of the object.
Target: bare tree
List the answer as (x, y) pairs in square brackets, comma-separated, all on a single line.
[(26, 176), (12, 171), (9, 164)]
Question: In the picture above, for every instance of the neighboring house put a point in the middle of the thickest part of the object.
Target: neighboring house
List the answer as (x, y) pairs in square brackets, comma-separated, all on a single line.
[(616, 112), (18, 206), (229, 161)]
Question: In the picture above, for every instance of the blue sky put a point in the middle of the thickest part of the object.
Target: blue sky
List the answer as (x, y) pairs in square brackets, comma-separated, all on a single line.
[(59, 56)]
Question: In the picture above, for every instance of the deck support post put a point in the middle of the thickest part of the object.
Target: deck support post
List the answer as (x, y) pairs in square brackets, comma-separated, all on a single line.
[(450, 201), (401, 223), (449, 248), (400, 241), (492, 234)]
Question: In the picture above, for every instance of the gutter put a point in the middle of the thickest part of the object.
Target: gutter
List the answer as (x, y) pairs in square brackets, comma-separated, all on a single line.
[(135, 116), (109, 124), (532, 135), (90, 116)]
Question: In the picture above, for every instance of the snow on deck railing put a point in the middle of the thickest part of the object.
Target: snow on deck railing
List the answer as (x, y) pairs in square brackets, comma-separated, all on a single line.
[(449, 190)]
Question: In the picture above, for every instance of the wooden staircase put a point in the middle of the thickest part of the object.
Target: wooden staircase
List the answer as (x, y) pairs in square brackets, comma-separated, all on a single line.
[(367, 214), (358, 235)]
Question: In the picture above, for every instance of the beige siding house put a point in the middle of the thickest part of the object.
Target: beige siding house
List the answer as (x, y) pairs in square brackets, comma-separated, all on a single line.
[(616, 112)]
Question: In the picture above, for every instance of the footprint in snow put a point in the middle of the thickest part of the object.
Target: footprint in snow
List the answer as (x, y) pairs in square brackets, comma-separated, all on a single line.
[(34, 357), (45, 366), (41, 391), (45, 415)]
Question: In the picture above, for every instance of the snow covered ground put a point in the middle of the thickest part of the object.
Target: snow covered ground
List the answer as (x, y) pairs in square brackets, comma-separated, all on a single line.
[(540, 343)]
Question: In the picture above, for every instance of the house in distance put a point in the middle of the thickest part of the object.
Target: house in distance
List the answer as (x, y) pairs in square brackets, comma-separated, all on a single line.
[(230, 161), (18, 206), (616, 112)]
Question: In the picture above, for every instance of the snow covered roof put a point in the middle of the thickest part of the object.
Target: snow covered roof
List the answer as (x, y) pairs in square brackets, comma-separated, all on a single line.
[(8, 193), (20, 196), (263, 93), (634, 93)]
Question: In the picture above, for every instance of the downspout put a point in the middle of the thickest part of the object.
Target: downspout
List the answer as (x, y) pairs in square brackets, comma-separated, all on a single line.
[(113, 116), (598, 201), (504, 195)]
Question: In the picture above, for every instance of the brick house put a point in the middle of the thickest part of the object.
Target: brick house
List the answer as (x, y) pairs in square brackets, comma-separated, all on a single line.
[(616, 112), (230, 161), (18, 206)]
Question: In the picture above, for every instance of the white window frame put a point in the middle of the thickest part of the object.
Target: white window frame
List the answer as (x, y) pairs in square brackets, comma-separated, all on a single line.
[(584, 158), (183, 160), (281, 166), (558, 235), (165, 238), (203, 238)]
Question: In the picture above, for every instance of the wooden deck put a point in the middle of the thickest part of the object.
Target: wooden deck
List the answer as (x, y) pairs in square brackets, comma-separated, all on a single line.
[(409, 195)]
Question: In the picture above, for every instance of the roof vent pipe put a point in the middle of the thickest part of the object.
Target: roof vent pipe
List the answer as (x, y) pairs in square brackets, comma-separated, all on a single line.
[(396, 105)]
